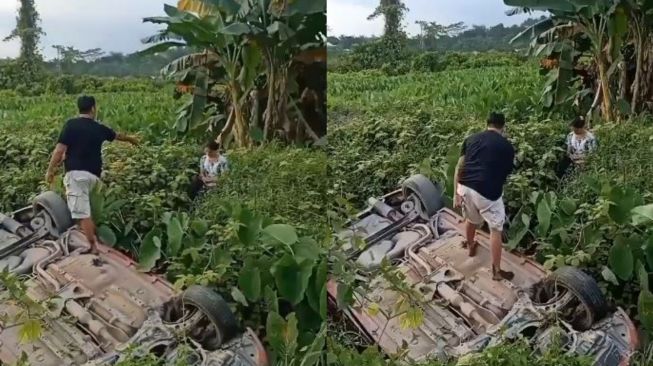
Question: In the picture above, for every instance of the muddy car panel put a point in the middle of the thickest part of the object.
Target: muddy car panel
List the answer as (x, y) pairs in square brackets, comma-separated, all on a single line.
[(98, 306), (465, 310)]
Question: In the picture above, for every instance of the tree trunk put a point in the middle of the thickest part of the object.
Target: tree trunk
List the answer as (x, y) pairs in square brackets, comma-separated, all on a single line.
[(608, 113), (241, 125), (269, 108), (226, 129), (276, 116), (637, 83), (623, 80)]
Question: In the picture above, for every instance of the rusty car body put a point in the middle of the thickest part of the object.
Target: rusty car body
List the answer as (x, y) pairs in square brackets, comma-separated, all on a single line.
[(464, 310), (99, 308)]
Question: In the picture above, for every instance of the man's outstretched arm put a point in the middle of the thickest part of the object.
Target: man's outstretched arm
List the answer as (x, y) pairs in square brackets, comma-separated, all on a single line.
[(127, 138), (55, 161)]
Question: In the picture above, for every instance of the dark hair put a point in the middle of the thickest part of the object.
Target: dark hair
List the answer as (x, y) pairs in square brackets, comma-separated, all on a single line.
[(578, 122), (497, 120), (85, 104), (213, 146)]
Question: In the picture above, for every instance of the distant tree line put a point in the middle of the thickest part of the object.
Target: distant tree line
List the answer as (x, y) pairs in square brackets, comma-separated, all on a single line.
[(95, 62), (454, 37)]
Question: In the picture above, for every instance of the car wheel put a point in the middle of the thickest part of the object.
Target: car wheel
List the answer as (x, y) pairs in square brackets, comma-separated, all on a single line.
[(56, 208), (574, 295), (428, 193), (206, 317)]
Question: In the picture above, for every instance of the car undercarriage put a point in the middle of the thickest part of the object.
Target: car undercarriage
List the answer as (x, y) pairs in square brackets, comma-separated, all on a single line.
[(100, 309), (464, 309)]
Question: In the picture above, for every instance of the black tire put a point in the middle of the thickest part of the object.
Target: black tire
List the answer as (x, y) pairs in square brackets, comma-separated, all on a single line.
[(428, 193), (216, 309), (56, 208), (585, 290)]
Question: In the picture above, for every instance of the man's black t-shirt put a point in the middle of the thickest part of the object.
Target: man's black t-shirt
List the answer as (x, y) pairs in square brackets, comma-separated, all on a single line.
[(84, 138), (488, 162)]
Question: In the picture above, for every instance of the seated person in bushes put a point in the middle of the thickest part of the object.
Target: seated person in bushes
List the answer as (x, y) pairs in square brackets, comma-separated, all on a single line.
[(580, 142), (212, 164)]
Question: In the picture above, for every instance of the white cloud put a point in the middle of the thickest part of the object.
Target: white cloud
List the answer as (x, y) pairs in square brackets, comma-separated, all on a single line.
[(344, 17), (350, 16), (114, 25)]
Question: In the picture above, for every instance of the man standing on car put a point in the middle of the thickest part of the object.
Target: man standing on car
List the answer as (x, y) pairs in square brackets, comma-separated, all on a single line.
[(80, 144), (485, 163)]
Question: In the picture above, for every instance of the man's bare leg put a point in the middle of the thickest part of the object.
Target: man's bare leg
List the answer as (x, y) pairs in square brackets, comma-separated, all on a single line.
[(496, 248), (88, 228), (470, 237)]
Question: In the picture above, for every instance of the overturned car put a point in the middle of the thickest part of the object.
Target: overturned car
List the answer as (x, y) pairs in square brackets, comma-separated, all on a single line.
[(464, 309), (97, 309)]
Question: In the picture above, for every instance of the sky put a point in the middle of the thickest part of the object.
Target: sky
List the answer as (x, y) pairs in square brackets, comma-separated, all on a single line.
[(115, 25), (350, 16)]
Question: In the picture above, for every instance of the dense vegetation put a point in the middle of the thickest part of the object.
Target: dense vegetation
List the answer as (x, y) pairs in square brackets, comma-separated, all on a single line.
[(260, 238), (387, 128), (253, 206)]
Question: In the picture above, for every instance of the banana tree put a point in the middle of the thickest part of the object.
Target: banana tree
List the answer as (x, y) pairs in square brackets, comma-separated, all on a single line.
[(219, 34), (603, 22), (282, 30), (641, 20)]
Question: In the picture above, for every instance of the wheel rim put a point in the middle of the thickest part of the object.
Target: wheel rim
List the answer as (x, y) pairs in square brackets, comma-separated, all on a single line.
[(196, 325), (555, 296)]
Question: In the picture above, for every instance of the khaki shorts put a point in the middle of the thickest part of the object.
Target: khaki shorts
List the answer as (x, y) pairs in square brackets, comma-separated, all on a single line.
[(477, 209), (78, 185)]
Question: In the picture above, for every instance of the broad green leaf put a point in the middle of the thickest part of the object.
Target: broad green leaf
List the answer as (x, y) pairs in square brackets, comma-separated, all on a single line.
[(106, 235), (199, 227), (609, 276), (568, 206), (249, 232), (543, 218), (648, 251), (30, 330), (175, 235), (249, 280), (238, 296), (624, 200), (306, 7), (161, 47), (344, 296), (306, 249), (645, 309), (236, 29), (292, 278), (282, 334), (316, 286), (96, 198), (642, 275), (252, 58), (518, 230), (642, 214), (271, 300), (199, 98), (621, 259), (150, 251), (283, 233), (546, 5)]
